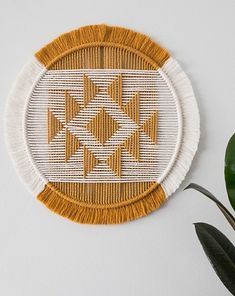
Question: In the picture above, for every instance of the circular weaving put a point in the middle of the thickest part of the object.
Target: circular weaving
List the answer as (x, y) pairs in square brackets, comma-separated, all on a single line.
[(105, 125)]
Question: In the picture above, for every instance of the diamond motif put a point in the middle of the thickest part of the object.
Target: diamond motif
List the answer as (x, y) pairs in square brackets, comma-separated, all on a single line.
[(102, 126)]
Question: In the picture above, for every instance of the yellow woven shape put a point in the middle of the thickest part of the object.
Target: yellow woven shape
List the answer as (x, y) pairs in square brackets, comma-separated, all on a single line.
[(103, 125)]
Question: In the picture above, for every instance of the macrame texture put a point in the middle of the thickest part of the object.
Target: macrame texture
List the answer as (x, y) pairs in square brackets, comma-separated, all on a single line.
[(106, 122)]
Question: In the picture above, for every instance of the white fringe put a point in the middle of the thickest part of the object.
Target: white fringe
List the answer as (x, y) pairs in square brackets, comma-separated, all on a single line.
[(190, 125), (14, 125)]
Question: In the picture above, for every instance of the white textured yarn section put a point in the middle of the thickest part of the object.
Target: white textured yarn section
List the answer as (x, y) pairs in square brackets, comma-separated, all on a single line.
[(191, 125), (14, 125), (155, 95), (178, 158)]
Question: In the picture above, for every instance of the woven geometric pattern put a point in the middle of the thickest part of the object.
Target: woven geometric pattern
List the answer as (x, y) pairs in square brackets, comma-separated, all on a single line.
[(105, 125)]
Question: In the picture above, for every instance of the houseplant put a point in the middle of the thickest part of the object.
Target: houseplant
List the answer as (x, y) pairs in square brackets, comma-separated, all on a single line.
[(218, 248)]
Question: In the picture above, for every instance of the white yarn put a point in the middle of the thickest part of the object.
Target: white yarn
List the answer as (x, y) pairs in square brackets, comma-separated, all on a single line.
[(14, 125), (16, 110), (155, 95), (190, 125)]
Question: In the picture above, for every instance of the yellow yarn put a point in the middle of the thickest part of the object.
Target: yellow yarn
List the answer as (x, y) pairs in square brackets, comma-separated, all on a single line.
[(100, 37), (101, 47), (80, 213)]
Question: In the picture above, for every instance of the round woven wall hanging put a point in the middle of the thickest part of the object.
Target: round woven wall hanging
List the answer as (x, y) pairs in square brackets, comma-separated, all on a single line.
[(102, 124)]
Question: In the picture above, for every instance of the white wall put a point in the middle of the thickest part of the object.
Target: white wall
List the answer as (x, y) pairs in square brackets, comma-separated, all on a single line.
[(43, 254)]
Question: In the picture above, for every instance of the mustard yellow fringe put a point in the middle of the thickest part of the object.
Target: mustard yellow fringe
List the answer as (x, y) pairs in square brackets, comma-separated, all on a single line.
[(101, 215), (102, 35)]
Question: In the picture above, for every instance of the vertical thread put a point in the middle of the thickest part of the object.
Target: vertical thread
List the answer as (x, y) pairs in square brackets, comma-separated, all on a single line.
[(102, 57), (102, 193)]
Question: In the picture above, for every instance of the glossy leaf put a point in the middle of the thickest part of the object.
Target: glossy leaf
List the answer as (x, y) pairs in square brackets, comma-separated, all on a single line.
[(220, 251), (229, 170), (223, 209)]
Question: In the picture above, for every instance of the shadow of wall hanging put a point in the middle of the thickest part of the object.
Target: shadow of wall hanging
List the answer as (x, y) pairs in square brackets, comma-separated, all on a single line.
[(102, 125)]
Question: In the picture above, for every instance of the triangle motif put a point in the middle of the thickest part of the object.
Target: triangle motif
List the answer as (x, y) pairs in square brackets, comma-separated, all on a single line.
[(132, 108), (89, 161), (132, 145), (114, 162), (72, 108), (54, 126), (150, 127), (90, 90), (115, 90), (72, 144)]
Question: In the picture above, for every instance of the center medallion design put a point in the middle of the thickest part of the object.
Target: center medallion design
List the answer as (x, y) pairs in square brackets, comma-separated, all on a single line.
[(103, 126)]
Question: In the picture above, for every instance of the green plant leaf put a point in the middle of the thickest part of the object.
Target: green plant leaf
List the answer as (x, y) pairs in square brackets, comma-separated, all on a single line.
[(229, 170), (223, 209), (220, 251)]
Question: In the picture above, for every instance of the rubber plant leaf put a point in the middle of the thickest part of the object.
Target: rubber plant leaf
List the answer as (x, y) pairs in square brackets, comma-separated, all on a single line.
[(229, 170), (220, 251), (223, 209)]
